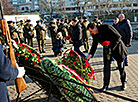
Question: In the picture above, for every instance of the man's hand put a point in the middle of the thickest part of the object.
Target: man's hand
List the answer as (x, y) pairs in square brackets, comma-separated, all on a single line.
[(21, 72), (128, 45), (89, 56)]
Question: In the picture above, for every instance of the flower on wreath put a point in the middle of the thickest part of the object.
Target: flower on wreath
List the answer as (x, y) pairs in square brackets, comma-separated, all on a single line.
[(26, 58), (73, 61), (28, 55), (68, 37), (17, 53)]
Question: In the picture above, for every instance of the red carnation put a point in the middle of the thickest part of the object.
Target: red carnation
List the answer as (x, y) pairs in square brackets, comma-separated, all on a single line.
[(71, 52), (20, 44), (89, 75), (68, 37), (39, 61), (86, 65), (34, 63), (27, 47), (33, 54), (22, 47), (77, 59), (63, 60), (26, 58), (74, 62), (106, 43), (38, 57), (86, 61), (17, 53), (29, 51)]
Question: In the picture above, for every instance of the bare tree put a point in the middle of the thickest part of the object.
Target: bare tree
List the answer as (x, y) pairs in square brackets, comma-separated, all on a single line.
[(8, 8), (78, 6), (46, 7), (84, 7)]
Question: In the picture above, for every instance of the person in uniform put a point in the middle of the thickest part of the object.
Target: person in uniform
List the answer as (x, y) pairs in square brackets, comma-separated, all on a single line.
[(20, 26), (28, 32), (7, 72), (86, 34), (53, 30), (110, 39), (40, 35), (13, 32)]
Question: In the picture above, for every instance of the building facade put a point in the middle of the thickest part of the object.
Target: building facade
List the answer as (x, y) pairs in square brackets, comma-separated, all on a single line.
[(71, 7)]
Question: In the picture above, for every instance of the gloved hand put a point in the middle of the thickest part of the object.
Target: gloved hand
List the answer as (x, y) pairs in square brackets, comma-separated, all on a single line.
[(89, 56), (21, 72), (14, 44)]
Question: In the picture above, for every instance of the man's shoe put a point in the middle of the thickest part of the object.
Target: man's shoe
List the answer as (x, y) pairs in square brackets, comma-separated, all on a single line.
[(104, 88), (85, 51), (126, 64), (123, 87), (43, 51)]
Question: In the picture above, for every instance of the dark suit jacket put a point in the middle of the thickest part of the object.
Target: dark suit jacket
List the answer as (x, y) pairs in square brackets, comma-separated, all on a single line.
[(109, 33), (7, 72), (77, 35)]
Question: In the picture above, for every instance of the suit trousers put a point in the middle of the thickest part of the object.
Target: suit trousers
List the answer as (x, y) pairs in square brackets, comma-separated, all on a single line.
[(107, 67)]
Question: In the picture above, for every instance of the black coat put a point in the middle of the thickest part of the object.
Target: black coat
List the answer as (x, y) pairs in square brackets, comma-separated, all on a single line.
[(76, 35), (109, 33), (125, 30), (58, 43), (7, 72)]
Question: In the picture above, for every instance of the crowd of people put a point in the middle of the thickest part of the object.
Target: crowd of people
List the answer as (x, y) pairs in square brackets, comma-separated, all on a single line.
[(117, 36)]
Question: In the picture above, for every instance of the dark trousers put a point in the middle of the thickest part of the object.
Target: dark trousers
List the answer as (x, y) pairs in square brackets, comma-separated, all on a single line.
[(107, 67), (76, 48), (86, 44), (30, 41)]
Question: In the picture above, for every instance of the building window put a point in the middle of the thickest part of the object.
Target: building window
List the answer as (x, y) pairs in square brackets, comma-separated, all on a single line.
[(14, 2)]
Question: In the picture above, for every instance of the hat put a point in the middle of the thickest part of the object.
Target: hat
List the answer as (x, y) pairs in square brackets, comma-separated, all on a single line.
[(84, 17), (38, 21), (28, 20), (9, 22), (21, 21)]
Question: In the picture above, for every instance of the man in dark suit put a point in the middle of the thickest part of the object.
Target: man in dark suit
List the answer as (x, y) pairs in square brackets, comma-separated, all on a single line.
[(7, 72), (109, 37)]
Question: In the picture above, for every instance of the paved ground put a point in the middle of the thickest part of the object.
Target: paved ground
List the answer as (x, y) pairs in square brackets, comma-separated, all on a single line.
[(97, 62)]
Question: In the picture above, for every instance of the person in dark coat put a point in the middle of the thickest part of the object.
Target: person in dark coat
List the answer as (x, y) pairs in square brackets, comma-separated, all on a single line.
[(76, 36), (110, 38), (125, 29), (115, 24), (7, 72), (58, 45)]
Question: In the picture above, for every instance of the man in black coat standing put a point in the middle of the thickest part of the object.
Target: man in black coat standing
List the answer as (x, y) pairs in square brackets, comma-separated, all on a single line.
[(76, 36), (109, 37), (125, 30)]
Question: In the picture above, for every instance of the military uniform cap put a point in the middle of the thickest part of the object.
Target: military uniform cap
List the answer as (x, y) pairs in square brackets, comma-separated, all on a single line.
[(84, 17), (21, 21), (28, 20), (9, 22), (38, 21)]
